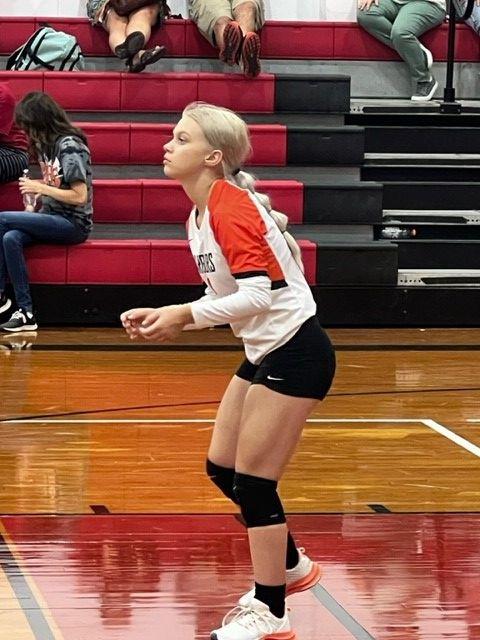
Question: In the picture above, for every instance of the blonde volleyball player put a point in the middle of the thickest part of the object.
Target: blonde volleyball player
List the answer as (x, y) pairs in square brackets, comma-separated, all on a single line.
[(254, 281)]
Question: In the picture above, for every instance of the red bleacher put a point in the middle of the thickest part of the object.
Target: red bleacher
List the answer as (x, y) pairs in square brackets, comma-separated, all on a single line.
[(160, 201), (163, 92), (312, 40), (127, 262)]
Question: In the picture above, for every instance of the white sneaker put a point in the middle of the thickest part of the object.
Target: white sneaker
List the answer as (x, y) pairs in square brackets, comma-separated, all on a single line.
[(428, 55), (255, 622), (302, 577)]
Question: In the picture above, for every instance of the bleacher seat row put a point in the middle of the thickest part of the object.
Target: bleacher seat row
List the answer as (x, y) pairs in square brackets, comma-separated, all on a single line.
[(166, 92), (160, 201), (313, 40), (141, 262)]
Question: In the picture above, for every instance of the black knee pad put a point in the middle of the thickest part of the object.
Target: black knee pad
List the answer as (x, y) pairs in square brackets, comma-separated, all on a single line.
[(258, 500), (223, 478)]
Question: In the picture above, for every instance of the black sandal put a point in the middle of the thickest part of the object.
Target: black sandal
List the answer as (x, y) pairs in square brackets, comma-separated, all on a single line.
[(134, 43), (148, 57)]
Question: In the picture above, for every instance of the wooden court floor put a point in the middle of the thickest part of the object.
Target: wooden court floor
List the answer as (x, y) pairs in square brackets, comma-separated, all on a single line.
[(109, 528)]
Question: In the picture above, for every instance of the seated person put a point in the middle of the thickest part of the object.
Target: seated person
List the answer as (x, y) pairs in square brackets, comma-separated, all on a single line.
[(13, 141), (65, 194), (398, 24), (231, 25), (128, 35), (474, 20)]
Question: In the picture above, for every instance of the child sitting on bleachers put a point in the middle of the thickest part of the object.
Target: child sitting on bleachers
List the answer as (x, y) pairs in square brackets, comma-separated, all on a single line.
[(65, 215)]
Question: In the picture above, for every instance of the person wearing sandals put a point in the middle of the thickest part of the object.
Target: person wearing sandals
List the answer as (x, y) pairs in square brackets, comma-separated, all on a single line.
[(129, 34), (232, 25)]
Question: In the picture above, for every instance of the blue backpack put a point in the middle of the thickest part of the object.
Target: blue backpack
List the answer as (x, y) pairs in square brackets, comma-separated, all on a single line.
[(48, 50)]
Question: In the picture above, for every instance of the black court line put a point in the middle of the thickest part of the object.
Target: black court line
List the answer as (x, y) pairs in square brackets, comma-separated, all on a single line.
[(379, 508), (346, 619), (99, 509), (30, 606), (67, 414)]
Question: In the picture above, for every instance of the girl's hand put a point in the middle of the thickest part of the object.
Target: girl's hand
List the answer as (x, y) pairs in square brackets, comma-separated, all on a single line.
[(366, 4), (165, 323), (133, 318), (26, 185)]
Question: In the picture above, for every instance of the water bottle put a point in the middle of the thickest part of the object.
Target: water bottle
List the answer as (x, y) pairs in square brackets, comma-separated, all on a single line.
[(396, 233), (29, 199)]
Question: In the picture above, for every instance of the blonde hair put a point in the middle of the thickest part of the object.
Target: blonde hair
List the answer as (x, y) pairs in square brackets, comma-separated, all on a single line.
[(225, 130)]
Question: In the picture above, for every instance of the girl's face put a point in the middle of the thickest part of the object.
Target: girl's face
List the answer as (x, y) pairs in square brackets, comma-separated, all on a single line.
[(188, 152)]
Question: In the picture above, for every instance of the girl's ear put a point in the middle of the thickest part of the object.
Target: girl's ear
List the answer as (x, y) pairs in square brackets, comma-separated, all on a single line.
[(214, 158)]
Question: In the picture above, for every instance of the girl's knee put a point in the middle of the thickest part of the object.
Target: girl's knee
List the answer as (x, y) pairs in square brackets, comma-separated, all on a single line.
[(12, 238)]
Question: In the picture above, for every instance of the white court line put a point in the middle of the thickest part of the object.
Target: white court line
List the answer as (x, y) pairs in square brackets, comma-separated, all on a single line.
[(473, 419), (200, 420), (466, 444)]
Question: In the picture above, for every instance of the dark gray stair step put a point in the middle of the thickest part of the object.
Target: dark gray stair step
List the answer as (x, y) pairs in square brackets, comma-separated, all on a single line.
[(423, 116), (431, 195), (367, 263), (419, 173), (337, 305), (446, 139), (314, 144), (438, 254), (287, 119), (304, 93)]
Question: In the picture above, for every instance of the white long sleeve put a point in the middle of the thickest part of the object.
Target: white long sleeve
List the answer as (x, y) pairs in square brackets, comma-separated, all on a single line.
[(254, 296)]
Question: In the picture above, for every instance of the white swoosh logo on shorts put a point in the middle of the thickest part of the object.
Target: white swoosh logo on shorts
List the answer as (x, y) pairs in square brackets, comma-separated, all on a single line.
[(272, 378)]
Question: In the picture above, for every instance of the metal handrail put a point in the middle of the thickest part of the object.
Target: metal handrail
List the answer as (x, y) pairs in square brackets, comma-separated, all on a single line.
[(458, 11)]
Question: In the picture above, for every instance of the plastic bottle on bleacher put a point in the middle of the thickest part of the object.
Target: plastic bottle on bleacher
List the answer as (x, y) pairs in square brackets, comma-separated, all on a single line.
[(29, 199), (397, 233)]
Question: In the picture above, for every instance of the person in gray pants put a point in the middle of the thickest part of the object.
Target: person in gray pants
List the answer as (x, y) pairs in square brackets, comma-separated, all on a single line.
[(398, 24), (474, 20)]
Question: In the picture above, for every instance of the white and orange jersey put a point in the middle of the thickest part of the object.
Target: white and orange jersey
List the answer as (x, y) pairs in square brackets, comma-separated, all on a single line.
[(253, 282)]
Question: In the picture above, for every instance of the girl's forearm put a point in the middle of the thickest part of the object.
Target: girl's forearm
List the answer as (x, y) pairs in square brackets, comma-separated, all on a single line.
[(67, 196)]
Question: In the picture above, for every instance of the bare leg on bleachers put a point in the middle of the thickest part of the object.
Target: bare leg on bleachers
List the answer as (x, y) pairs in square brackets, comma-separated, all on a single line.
[(219, 28), (143, 20), (246, 16), (117, 29)]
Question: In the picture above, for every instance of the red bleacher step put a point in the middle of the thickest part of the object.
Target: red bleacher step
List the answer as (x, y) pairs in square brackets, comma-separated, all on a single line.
[(280, 39), (127, 262), (109, 262), (160, 201), (142, 143), (164, 92)]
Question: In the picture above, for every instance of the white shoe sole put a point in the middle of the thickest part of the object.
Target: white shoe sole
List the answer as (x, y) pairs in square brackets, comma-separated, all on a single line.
[(26, 327), (426, 98)]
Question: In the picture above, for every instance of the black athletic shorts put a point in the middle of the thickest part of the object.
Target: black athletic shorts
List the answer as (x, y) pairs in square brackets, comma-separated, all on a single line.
[(303, 367)]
